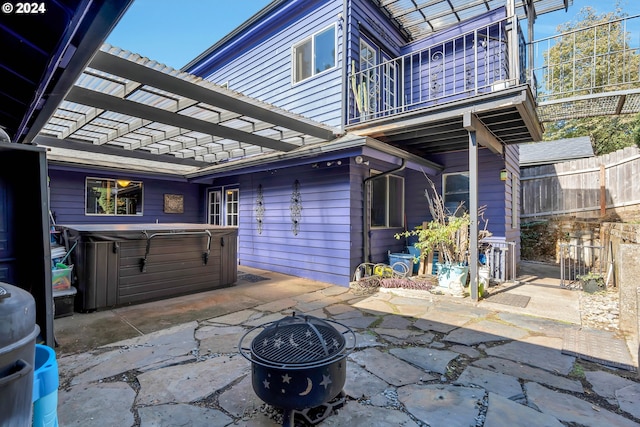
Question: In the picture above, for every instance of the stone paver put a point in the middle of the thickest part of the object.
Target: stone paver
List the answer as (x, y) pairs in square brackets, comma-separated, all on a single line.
[(367, 339), (96, 405), (190, 382), (434, 360), (152, 350), (504, 385), (485, 331), (429, 359), (537, 325), (357, 415), (503, 412), (240, 399), (443, 323), (362, 384), (534, 354), (236, 318), (389, 368), (518, 370), (217, 339), (606, 384), (393, 321), (442, 405), (628, 398), (182, 415), (570, 409)]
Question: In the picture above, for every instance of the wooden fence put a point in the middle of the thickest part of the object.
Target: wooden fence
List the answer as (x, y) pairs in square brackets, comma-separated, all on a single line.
[(584, 188)]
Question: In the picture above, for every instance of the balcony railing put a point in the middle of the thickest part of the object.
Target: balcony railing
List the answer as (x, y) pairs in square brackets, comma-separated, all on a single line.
[(587, 61), (466, 65)]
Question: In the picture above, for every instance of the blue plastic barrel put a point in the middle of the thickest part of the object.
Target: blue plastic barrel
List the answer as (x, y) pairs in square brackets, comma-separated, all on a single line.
[(406, 259), (45, 388)]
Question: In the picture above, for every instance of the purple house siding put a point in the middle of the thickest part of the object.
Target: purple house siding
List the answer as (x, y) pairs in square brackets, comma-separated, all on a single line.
[(491, 189), (320, 249), (512, 190), (263, 69), (67, 197)]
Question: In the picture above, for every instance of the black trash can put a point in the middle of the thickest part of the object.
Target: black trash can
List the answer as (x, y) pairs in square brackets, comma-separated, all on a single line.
[(18, 333)]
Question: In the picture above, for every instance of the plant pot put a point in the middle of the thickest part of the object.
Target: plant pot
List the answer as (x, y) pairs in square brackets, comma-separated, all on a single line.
[(452, 277), (592, 285)]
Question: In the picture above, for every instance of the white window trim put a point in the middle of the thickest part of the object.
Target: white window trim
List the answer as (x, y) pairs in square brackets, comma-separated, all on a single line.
[(313, 50), (223, 202)]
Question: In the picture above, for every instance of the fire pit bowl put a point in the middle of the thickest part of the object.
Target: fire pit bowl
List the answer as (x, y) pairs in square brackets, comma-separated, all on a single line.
[(298, 362)]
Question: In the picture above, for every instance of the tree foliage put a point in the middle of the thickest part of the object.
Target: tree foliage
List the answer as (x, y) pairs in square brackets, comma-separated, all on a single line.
[(593, 56)]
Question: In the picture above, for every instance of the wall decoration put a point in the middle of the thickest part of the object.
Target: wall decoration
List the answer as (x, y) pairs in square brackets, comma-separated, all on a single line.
[(259, 209), (296, 208), (174, 203)]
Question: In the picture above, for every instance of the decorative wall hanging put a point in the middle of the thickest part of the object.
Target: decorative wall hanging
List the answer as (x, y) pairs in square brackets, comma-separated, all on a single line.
[(259, 209), (296, 208), (174, 203)]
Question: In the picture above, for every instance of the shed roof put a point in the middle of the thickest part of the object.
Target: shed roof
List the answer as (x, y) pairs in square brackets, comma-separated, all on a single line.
[(557, 151)]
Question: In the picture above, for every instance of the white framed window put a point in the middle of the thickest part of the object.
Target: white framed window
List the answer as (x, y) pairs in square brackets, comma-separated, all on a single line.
[(315, 54), (231, 206), (368, 62), (455, 190), (105, 196), (223, 206), (215, 207), (387, 201)]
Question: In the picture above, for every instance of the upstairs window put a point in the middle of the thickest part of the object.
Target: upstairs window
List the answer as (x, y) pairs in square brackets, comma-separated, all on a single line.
[(113, 197), (314, 54)]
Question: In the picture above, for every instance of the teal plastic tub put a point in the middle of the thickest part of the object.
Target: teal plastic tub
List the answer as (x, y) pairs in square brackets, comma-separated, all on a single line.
[(45, 388)]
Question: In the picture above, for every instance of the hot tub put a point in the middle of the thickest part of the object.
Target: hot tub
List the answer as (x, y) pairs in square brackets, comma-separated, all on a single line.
[(120, 264)]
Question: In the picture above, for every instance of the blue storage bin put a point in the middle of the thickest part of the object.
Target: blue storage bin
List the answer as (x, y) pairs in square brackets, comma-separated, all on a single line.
[(45, 388), (406, 259)]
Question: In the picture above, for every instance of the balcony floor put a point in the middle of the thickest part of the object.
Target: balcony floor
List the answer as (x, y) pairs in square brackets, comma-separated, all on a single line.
[(509, 114)]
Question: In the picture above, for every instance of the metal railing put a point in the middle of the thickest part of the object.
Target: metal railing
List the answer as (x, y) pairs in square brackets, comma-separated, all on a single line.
[(596, 59), (462, 66), (578, 260), (501, 259)]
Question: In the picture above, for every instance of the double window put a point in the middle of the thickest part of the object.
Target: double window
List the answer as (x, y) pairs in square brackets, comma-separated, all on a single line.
[(223, 207), (113, 197), (314, 54), (387, 201)]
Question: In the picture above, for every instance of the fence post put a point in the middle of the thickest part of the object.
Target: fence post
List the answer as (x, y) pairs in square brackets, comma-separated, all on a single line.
[(603, 192)]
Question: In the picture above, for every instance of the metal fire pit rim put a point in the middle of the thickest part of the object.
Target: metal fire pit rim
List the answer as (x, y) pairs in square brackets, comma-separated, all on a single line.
[(248, 354)]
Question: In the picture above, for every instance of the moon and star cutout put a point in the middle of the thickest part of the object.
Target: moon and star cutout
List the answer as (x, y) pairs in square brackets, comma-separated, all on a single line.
[(303, 385)]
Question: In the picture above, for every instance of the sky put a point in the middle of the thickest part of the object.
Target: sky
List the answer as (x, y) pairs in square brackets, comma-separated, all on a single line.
[(174, 32)]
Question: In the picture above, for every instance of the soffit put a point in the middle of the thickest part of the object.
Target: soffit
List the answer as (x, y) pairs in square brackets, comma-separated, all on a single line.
[(128, 102), (420, 18)]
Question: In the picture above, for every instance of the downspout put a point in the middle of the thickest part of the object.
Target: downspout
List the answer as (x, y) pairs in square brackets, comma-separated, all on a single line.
[(365, 211), (345, 86)]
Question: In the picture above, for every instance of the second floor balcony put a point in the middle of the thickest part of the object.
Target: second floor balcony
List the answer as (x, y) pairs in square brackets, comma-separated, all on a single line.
[(470, 64), (565, 79)]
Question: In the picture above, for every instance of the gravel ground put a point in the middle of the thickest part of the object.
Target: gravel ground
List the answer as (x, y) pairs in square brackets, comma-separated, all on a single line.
[(600, 310)]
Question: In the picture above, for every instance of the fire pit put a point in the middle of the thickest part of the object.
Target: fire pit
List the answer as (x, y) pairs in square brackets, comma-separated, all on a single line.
[(298, 362)]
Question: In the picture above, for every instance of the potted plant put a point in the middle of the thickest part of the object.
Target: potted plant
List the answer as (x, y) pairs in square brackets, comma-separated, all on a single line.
[(448, 234), (591, 282)]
